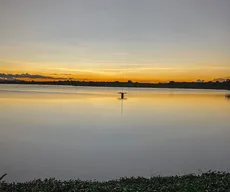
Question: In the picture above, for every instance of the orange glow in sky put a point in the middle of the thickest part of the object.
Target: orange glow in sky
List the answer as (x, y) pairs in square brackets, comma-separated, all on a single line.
[(145, 41)]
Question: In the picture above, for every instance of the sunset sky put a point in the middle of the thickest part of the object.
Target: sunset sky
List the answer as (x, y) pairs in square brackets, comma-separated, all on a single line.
[(140, 40)]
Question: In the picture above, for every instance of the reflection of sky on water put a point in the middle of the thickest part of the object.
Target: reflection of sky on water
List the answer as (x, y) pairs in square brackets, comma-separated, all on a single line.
[(68, 134)]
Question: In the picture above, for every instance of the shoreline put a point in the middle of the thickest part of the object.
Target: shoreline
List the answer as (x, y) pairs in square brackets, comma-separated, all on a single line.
[(124, 85)]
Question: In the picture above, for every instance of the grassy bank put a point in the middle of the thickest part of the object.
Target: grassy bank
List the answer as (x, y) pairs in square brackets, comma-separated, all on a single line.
[(206, 182)]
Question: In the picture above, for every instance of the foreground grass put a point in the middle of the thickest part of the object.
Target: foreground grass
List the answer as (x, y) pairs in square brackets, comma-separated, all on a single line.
[(207, 182)]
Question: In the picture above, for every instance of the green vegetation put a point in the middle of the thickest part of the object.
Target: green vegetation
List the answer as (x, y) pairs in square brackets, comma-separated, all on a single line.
[(206, 182)]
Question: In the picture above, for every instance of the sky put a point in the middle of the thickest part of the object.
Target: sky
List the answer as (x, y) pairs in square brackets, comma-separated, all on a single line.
[(139, 40)]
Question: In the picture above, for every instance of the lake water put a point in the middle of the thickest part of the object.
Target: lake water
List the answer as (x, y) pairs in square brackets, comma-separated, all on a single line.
[(88, 133)]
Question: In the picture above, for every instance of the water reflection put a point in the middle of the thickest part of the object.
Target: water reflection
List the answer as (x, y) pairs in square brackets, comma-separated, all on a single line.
[(122, 104), (85, 133)]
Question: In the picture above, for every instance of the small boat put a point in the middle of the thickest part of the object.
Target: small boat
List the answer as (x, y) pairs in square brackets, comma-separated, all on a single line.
[(122, 94)]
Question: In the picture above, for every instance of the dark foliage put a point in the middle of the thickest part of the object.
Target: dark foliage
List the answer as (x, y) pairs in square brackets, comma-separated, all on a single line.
[(206, 182), (185, 85)]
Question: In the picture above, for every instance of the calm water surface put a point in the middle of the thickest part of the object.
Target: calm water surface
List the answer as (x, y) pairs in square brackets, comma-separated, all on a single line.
[(88, 133)]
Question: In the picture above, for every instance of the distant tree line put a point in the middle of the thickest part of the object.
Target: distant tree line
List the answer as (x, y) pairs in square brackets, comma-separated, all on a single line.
[(172, 84)]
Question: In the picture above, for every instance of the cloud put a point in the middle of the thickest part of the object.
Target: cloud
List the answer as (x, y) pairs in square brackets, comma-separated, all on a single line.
[(61, 74), (113, 70), (10, 77), (23, 75), (221, 79)]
